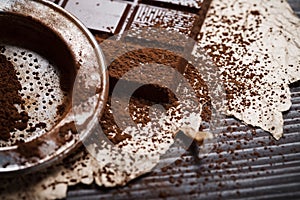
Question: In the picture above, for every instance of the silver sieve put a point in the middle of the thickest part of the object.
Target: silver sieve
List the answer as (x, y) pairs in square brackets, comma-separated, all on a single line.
[(53, 54)]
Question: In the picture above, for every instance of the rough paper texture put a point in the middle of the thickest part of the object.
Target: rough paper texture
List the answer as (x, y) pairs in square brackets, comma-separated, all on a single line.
[(256, 47)]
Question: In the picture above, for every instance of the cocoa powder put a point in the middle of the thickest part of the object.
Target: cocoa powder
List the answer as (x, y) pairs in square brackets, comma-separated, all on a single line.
[(30, 149), (66, 132), (10, 118), (147, 95)]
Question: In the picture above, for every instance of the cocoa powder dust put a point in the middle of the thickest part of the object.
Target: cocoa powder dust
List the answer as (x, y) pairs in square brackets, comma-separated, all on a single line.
[(10, 118)]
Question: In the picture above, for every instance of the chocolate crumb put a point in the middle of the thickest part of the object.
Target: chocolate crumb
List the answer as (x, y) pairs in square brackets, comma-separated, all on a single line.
[(30, 149), (66, 132), (61, 109), (254, 12)]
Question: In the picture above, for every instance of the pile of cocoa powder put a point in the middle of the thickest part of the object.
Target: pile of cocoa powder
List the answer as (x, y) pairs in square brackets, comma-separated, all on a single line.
[(147, 95), (10, 118)]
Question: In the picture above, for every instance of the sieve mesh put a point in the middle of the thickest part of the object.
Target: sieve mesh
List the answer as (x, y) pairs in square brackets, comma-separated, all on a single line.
[(41, 92)]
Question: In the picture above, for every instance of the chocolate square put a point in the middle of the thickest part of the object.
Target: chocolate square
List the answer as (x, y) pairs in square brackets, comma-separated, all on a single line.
[(100, 15)]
